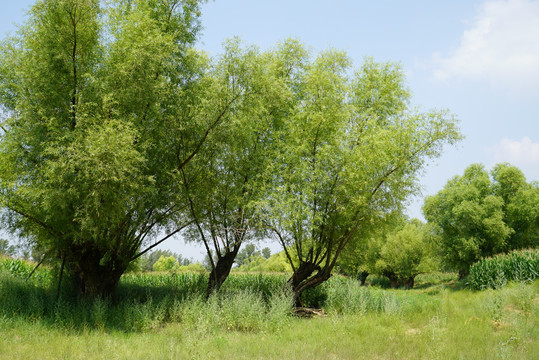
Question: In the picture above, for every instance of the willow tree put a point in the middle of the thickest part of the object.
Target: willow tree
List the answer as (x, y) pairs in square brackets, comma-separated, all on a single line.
[(104, 103), (352, 148), (479, 214), (225, 182)]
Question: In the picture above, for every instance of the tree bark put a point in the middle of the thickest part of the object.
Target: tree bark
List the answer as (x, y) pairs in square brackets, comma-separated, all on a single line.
[(362, 277), (221, 271), (393, 280), (302, 279), (409, 282), (96, 273)]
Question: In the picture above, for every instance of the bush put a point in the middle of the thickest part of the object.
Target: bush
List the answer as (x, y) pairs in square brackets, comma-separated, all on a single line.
[(192, 267), (164, 263), (496, 271)]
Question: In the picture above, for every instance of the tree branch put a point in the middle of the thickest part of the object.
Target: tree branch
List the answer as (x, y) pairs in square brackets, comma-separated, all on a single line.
[(160, 241), (36, 221), (208, 130), (195, 219), (284, 248), (35, 268)]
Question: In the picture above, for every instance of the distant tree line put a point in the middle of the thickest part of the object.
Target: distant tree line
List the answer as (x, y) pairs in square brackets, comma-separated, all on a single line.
[(476, 215)]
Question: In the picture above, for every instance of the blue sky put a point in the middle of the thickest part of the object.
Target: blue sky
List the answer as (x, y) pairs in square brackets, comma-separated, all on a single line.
[(479, 59)]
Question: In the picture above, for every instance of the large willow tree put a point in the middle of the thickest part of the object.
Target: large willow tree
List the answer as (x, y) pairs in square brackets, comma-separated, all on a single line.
[(351, 150), (103, 105), (226, 182)]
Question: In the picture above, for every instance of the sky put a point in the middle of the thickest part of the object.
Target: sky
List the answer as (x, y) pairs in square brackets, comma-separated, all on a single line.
[(479, 59)]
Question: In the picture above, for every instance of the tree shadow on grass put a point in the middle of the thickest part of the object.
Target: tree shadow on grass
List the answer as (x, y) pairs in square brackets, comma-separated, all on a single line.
[(135, 307), (429, 283)]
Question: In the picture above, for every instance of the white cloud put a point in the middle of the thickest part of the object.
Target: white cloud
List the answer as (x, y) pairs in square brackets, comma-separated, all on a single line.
[(501, 46), (523, 154)]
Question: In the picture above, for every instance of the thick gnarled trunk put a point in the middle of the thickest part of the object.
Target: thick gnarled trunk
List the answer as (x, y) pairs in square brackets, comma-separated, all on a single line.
[(409, 283), (396, 281), (95, 273)]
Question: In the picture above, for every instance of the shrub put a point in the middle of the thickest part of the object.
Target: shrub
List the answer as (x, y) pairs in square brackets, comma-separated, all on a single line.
[(496, 271), (164, 263)]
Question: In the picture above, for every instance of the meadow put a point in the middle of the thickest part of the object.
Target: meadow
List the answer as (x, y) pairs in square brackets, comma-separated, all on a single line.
[(166, 316)]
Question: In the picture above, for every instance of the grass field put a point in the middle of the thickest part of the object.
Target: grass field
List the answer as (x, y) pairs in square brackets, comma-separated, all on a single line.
[(164, 316)]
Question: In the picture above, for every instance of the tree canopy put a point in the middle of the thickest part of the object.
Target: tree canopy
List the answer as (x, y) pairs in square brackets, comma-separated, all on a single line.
[(117, 130), (480, 214), (99, 107), (351, 149)]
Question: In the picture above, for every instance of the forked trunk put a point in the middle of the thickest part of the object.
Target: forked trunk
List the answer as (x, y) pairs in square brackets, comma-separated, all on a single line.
[(302, 279), (221, 271)]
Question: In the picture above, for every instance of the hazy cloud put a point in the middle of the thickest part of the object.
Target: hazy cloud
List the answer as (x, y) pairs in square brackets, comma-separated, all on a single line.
[(524, 154), (501, 46)]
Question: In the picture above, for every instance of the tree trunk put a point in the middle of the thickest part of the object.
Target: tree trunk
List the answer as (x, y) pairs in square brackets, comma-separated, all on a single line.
[(362, 277), (221, 272), (393, 280), (302, 280), (95, 273), (409, 283), (462, 274)]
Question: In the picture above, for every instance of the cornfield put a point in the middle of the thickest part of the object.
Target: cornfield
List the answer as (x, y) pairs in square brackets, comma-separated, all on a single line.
[(496, 271)]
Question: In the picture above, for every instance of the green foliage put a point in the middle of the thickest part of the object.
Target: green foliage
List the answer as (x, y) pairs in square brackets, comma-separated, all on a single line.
[(22, 268), (266, 253), (192, 267), (95, 96), (246, 255), (478, 215), (276, 263), (349, 151), (407, 252), (164, 263), (6, 249), (494, 272), (521, 200), (398, 248), (361, 255), (147, 260)]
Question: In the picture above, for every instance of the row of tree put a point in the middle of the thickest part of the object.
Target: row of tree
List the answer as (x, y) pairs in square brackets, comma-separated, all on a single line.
[(476, 215), (480, 214), (119, 134)]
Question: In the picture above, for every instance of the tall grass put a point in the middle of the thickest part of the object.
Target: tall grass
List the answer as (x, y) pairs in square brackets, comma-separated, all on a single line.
[(145, 301), (166, 316), (246, 302)]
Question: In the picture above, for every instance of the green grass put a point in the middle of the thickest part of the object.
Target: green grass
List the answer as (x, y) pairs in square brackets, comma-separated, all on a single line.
[(164, 316)]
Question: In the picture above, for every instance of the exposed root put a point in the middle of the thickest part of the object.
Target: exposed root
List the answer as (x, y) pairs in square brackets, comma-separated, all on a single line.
[(308, 312)]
